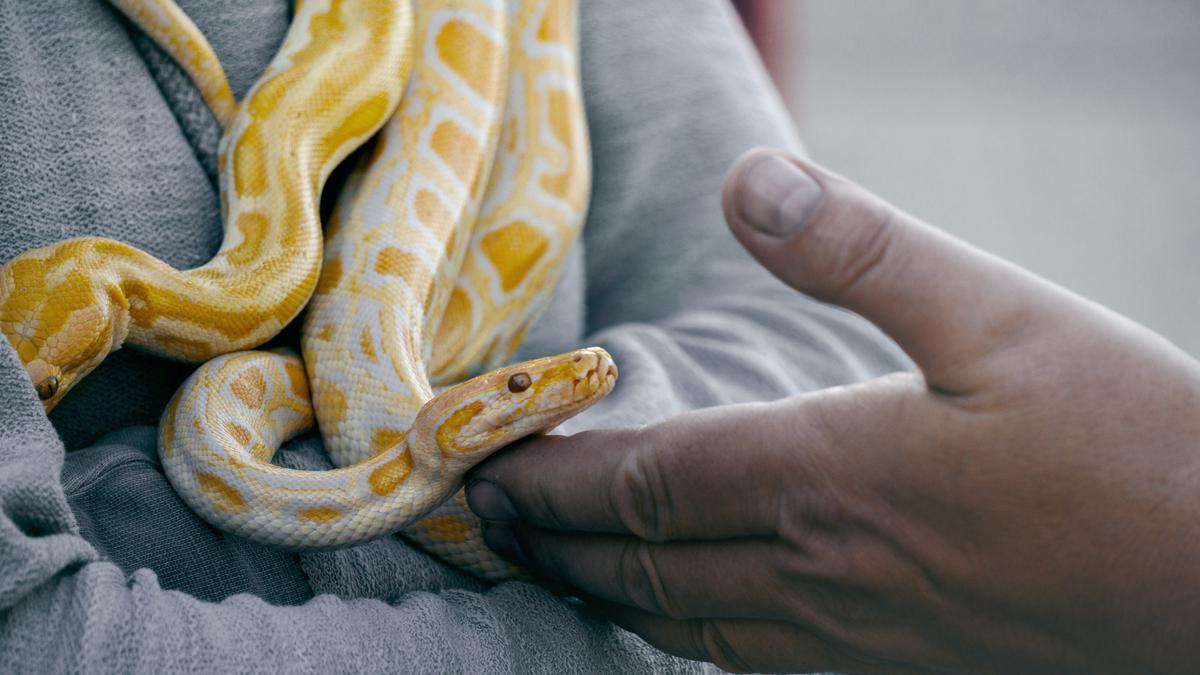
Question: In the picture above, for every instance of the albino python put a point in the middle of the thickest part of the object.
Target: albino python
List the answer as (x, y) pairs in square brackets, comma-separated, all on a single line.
[(445, 244), (65, 307)]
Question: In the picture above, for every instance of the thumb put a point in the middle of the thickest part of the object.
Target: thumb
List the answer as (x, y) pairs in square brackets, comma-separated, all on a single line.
[(945, 302)]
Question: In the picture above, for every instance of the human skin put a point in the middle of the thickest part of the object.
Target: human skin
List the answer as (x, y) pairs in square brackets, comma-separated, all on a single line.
[(1029, 501)]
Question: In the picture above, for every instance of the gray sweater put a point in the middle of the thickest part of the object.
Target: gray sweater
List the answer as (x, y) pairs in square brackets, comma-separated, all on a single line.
[(102, 568)]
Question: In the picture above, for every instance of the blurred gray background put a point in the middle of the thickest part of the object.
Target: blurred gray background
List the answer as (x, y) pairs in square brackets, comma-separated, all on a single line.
[(1063, 135)]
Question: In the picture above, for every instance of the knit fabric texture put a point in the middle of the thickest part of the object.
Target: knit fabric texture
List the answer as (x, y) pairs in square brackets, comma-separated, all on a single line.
[(104, 569)]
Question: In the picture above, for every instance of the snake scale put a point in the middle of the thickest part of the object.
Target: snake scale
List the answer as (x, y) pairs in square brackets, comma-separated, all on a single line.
[(444, 245)]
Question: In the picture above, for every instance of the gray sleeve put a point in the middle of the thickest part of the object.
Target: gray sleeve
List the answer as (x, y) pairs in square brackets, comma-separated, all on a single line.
[(65, 609), (675, 94)]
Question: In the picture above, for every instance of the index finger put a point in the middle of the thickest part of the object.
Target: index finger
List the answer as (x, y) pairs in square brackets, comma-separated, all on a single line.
[(703, 475)]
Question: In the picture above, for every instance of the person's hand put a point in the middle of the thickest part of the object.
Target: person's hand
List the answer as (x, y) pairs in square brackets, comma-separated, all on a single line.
[(1028, 502)]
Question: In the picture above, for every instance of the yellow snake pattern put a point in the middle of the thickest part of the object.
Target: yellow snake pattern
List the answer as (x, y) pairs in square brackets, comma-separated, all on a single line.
[(445, 243), (334, 82)]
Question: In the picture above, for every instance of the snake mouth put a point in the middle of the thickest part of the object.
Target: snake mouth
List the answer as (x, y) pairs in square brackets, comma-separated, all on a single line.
[(589, 384), (535, 396), (595, 383)]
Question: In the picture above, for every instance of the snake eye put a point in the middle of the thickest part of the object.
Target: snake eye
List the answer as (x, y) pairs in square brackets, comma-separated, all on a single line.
[(47, 388), (519, 383)]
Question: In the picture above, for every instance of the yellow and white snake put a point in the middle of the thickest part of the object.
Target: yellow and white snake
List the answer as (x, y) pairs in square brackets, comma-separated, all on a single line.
[(444, 245)]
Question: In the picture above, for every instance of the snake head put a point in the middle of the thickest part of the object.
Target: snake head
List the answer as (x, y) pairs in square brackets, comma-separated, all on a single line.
[(471, 420), (57, 318)]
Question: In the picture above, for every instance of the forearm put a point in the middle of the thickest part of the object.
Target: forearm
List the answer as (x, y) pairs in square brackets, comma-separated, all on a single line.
[(96, 619), (63, 609)]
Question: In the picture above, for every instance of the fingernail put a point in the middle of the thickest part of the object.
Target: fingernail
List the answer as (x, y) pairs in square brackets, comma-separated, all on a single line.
[(503, 541), (776, 197), (489, 502)]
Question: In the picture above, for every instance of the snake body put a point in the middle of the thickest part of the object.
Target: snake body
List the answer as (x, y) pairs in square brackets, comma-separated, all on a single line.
[(444, 245), (335, 81), (401, 229)]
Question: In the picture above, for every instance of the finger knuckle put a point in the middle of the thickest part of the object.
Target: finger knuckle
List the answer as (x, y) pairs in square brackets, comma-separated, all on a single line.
[(640, 497), (712, 639), (859, 245), (641, 580), (543, 505)]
